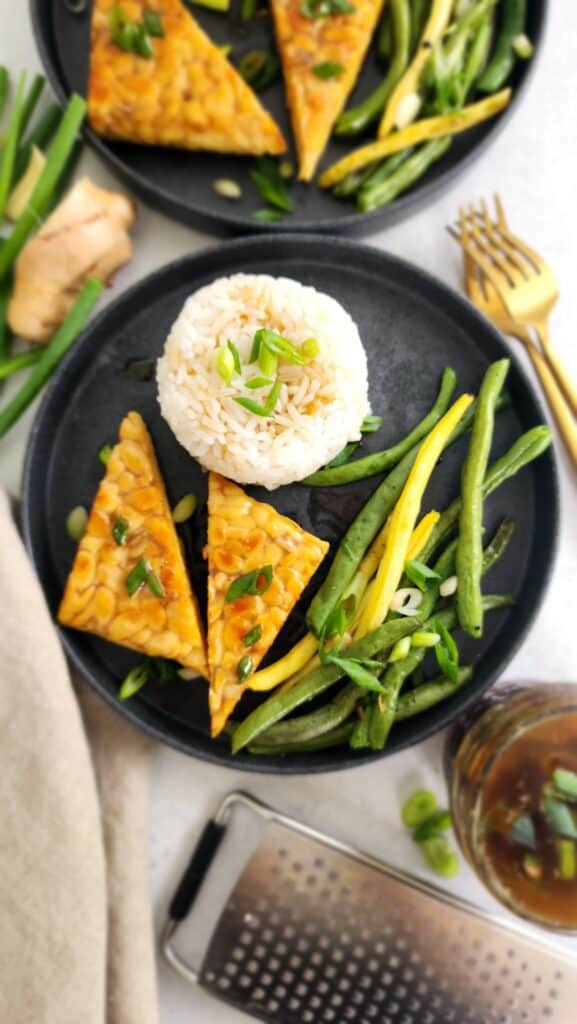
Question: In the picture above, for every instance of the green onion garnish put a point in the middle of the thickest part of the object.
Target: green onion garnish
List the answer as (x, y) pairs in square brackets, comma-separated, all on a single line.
[(250, 584), (315, 9), (522, 831), (267, 178), (439, 822), (184, 508), (371, 423), (418, 807), (257, 382), (447, 653), (224, 364), (425, 638), (566, 859), (565, 783), (244, 668), (120, 529), (267, 361), (358, 671), (253, 636), (267, 216), (236, 357), (269, 405), (154, 584), (152, 22), (310, 348), (560, 818), (76, 523), (135, 680), (420, 574), (105, 453), (400, 649), (328, 69), (132, 36), (259, 69), (137, 576), (439, 856)]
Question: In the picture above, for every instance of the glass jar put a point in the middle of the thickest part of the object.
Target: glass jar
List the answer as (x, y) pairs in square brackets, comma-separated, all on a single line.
[(503, 754)]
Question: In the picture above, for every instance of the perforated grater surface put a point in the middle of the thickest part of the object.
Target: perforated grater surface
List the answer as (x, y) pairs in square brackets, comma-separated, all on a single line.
[(314, 931)]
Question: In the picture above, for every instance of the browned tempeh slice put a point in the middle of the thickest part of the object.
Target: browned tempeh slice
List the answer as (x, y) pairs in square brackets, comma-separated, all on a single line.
[(187, 94), (304, 44), (96, 598), (245, 535)]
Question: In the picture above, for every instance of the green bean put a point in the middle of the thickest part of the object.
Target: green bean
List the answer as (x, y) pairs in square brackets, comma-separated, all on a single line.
[(39, 135), (56, 163), (5, 332), (385, 35), (52, 354), (464, 27), (406, 176), (526, 448), (281, 704), (499, 68), (470, 546), (372, 465), (353, 122), (428, 694), (348, 185), (419, 15), (323, 720), (17, 363), (11, 146), (385, 168), (31, 99), (476, 59), (4, 88), (337, 737)]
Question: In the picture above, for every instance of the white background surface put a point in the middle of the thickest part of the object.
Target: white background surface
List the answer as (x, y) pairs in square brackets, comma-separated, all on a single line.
[(534, 166)]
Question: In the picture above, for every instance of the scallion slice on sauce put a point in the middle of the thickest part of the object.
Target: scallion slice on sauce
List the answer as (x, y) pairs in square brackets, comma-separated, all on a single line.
[(120, 529), (253, 636), (250, 584)]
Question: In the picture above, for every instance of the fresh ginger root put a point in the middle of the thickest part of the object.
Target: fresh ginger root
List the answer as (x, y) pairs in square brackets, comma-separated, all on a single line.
[(85, 236)]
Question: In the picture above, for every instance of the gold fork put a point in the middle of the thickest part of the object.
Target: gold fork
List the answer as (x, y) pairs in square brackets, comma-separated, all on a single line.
[(485, 298), (523, 281)]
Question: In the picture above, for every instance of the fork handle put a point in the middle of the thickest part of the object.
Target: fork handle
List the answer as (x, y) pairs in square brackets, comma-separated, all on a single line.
[(561, 373), (556, 401)]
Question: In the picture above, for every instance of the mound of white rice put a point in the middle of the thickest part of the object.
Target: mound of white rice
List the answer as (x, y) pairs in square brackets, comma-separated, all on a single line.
[(321, 405)]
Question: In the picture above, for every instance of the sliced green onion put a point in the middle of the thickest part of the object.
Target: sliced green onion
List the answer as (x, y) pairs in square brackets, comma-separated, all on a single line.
[(310, 348), (267, 361), (400, 650), (224, 364), (188, 674), (259, 69), (267, 216), (120, 529), (522, 831), (137, 576), (105, 453), (316, 9), (152, 22), (448, 587), (154, 585), (359, 672), (343, 456), (248, 9), (135, 680), (523, 46), (532, 867), (371, 423), (565, 783), (76, 523), (235, 355), (267, 178), (418, 808), (222, 6), (185, 508), (566, 859), (273, 396), (420, 574), (560, 818), (447, 653), (425, 638), (439, 856), (286, 169), (253, 636), (328, 69), (244, 668), (257, 382), (439, 822), (279, 346), (250, 406), (227, 188), (252, 584)]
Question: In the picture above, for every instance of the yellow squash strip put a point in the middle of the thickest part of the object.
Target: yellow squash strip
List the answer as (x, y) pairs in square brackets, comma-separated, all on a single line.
[(421, 533), (293, 662), (420, 131), (404, 517), (433, 31)]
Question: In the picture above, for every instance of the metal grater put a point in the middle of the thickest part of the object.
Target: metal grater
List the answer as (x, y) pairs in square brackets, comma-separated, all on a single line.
[(315, 931)]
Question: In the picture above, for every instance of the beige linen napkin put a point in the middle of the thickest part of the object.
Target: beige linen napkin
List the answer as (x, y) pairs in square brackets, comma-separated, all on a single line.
[(76, 941)]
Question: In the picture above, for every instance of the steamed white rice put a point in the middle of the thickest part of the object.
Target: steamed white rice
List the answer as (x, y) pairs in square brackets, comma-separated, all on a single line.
[(321, 405)]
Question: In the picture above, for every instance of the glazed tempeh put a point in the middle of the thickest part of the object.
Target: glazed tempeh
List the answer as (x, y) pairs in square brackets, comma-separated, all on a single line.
[(131, 521)]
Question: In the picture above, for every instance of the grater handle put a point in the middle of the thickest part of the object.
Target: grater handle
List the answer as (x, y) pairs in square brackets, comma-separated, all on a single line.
[(199, 864)]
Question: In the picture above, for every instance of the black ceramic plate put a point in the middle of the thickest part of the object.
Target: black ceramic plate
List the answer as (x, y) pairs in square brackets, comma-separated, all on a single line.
[(180, 184), (412, 327)]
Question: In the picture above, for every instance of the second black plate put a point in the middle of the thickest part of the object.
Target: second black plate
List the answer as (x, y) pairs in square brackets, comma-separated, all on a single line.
[(412, 327), (180, 184)]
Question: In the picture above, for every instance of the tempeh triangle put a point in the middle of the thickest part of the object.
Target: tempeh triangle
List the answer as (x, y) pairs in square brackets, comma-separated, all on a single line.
[(267, 560), (310, 47), (185, 93), (131, 544)]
